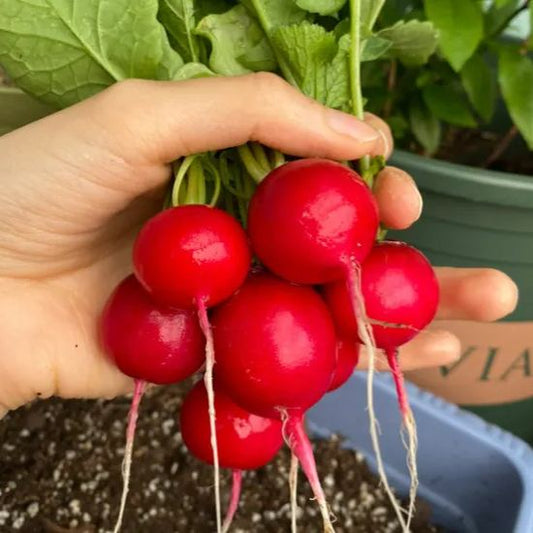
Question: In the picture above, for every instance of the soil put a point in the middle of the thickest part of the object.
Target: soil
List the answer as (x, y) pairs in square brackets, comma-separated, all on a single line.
[(60, 472), (479, 149)]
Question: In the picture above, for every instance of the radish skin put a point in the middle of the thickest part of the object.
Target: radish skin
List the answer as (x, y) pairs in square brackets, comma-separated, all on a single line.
[(236, 486), (301, 447)]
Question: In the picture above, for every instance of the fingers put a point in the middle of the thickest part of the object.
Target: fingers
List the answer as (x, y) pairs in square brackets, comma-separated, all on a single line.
[(398, 198), (164, 120), (430, 348), (481, 294), (386, 142)]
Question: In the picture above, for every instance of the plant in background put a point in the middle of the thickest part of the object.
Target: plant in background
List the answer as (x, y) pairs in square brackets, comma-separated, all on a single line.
[(443, 106)]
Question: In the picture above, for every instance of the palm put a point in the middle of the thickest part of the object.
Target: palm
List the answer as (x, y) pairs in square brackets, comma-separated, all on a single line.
[(61, 279)]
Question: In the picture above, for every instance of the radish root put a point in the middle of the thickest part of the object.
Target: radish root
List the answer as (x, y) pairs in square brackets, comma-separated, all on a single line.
[(208, 380), (234, 499), (409, 426), (293, 484), (128, 451), (298, 441), (353, 282)]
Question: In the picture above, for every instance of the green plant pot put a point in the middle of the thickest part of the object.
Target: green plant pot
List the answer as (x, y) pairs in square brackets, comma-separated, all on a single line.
[(480, 218), (17, 109)]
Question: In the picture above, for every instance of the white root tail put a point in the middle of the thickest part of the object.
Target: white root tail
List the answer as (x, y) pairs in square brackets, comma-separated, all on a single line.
[(293, 485), (367, 336), (208, 381), (128, 451)]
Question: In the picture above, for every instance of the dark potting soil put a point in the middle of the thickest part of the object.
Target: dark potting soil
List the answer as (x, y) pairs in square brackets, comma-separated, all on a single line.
[(505, 152), (60, 471)]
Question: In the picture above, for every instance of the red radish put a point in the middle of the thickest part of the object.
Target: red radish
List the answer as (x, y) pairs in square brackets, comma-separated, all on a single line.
[(151, 343), (148, 341), (191, 253), (194, 256), (310, 219), (245, 441), (275, 345), (401, 293), (400, 289), (347, 359), (314, 221)]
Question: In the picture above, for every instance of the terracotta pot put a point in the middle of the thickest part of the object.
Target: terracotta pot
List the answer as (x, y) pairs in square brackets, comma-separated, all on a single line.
[(476, 217)]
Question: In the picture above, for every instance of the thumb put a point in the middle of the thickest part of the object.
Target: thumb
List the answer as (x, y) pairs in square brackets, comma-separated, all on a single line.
[(157, 122)]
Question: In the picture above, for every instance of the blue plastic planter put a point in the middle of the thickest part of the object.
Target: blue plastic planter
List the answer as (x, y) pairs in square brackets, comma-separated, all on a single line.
[(476, 477)]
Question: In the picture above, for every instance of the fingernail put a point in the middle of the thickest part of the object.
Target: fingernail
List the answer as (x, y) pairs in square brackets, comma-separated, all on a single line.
[(420, 203), (387, 149), (346, 124)]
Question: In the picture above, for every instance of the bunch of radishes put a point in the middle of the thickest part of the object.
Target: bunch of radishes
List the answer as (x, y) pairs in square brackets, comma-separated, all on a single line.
[(283, 332)]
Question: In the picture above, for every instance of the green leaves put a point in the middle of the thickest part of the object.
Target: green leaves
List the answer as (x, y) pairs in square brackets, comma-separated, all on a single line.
[(63, 51), (275, 13), (412, 42), (238, 44), (515, 75), (178, 18), (192, 71), (460, 25), (374, 47), (370, 10), (318, 62), (322, 7), (448, 103), (425, 126), (479, 82)]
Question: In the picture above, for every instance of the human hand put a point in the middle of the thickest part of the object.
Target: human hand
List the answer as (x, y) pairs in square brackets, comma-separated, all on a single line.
[(75, 188)]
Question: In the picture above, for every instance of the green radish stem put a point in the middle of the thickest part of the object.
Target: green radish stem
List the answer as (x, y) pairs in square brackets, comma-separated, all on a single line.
[(235, 496), (278, 159), (366, 335), (208, 380), (128, 451), (261, 157), (355, 74), (250, 163), (293, 485), (180, 174)]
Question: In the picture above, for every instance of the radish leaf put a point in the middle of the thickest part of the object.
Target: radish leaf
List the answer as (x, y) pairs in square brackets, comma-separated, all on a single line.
[(374, 47), (237, 43), (193, 70), (480, 86), (460, 24), (448, 103), (425, 126), (317, 60), (322, 7), (178, 18), (412, 42), (515, 74), (63, 51)]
